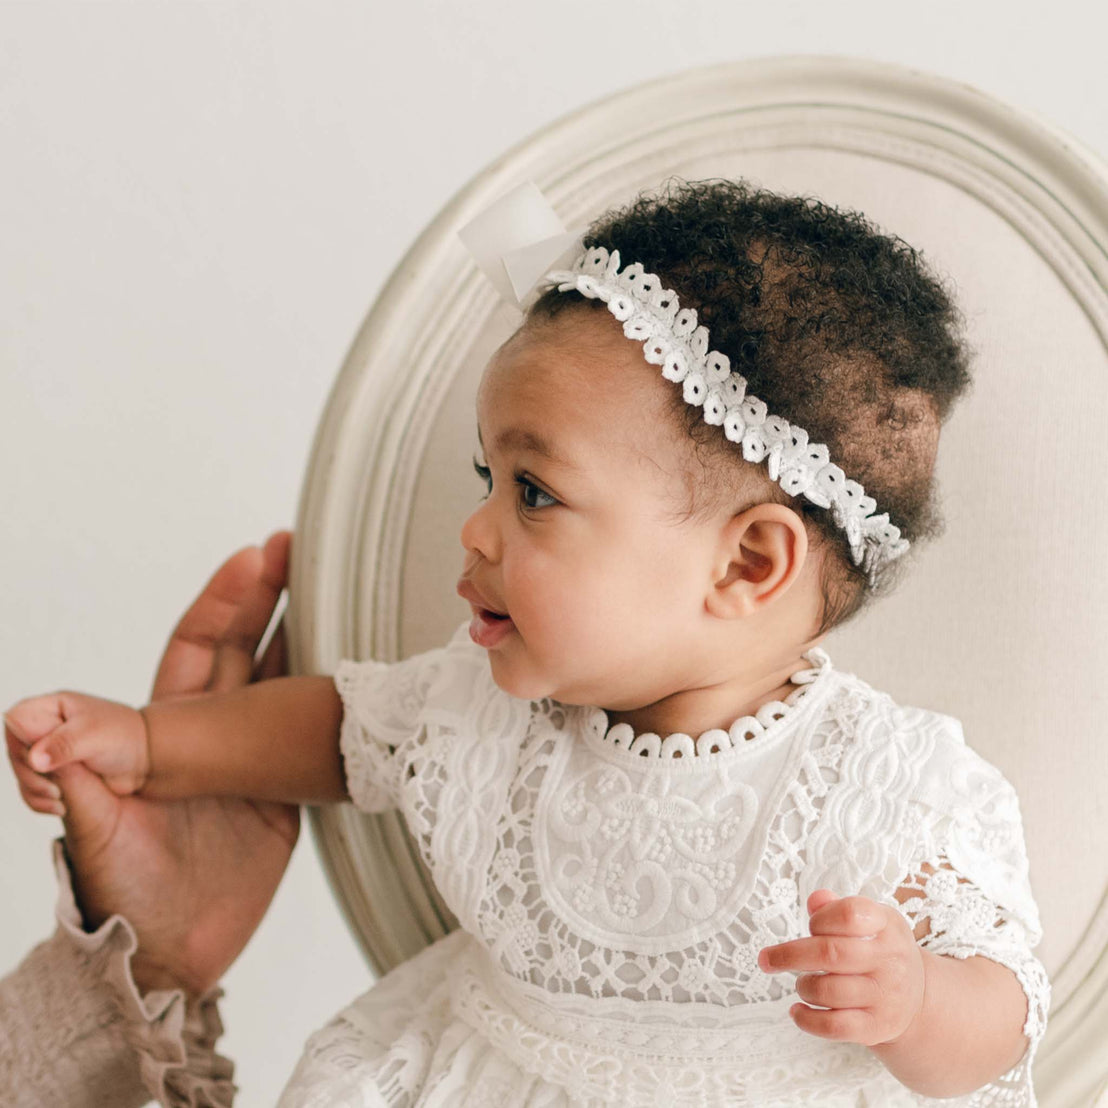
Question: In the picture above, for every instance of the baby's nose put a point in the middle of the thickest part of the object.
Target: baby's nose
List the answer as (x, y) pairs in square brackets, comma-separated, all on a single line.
[(470, 562), (480, 536)]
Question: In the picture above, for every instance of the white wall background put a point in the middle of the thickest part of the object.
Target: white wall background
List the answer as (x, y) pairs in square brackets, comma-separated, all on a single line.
[(198, 201)]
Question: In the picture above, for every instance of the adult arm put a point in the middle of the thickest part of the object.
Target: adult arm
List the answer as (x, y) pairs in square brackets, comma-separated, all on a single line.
[(215, 864), (77, 1030)]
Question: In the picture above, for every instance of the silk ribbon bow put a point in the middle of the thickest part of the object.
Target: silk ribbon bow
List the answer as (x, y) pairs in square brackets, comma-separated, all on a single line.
[(517, 240)]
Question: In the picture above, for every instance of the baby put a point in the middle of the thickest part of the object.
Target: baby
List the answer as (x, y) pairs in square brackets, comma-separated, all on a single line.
[(692, 862)]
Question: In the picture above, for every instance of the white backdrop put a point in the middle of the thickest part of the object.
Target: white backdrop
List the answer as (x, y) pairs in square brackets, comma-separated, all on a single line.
[(197, 203)]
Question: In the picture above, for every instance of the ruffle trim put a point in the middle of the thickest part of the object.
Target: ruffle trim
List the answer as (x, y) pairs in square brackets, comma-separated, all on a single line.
[(173, 1035), (746, 729)]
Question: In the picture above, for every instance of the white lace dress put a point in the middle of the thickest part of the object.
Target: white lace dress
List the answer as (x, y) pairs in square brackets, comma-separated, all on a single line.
[(613, 896)]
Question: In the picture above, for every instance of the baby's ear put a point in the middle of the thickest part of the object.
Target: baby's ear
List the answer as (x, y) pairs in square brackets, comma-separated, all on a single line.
[(760, 554)]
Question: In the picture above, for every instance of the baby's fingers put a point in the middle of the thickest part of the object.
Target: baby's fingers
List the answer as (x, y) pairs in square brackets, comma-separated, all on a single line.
[(68, 742), (838, 990), (31, 719), (847, 915), (64, 728), (848, 1025), (819, 954), (39, 793)]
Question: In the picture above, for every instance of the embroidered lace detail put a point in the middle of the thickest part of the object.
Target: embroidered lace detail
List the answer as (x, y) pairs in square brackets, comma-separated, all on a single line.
[(459, 1039), (381, 705), (915, 801), (760, 1061), (382, 1045), (963, 922), (622, 736), (617, 903), (638, 882), (671, 338), (448, 771)]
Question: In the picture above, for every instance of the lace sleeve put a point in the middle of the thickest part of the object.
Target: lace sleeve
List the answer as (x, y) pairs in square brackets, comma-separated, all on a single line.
[(382, 706), (76, 1030), (969, 893), (436, 738)]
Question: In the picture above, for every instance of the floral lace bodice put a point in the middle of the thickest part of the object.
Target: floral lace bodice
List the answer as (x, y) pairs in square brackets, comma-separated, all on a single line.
[(614, 891)]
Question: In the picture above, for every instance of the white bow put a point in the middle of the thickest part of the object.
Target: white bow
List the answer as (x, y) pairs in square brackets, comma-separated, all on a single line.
[(517, 240)]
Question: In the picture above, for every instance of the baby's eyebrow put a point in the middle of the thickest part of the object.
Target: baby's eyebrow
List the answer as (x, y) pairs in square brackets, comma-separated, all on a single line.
[(523, 438)]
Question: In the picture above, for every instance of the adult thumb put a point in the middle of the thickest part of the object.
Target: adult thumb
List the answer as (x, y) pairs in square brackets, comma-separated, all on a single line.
[(91, 808)]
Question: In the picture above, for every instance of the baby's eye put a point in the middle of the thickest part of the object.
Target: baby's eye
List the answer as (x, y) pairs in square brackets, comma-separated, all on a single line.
[(531, 495), (485, 474)]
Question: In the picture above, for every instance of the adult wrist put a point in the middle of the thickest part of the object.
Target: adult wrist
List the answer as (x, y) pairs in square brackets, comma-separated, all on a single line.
[(171, 1032)]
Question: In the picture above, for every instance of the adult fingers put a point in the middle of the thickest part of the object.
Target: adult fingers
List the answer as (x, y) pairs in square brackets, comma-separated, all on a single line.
[(282, 818), (838, 990), (189, 658), (274, 660), (43, 805), (276, 553), (234, 662), (91, 808), (271, 656)]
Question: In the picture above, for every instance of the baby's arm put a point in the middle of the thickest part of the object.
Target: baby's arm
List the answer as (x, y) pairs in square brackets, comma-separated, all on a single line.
[(276, 740), (942, 1026)]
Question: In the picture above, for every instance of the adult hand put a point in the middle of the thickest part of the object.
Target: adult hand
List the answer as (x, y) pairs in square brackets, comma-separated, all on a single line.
[(194, 877)]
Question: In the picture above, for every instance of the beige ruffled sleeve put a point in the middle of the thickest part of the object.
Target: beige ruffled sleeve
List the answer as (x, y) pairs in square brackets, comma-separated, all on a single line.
[(75, 1032)]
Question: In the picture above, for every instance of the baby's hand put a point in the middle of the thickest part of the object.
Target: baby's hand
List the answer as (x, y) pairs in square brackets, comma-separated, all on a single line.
[(45, 733), (862, 965)]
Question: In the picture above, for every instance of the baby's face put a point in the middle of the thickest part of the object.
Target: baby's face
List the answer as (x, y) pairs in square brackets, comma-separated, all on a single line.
[(579, 567)]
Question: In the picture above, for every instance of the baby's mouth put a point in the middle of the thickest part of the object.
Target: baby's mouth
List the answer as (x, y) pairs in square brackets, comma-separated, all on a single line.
[(487, 628)]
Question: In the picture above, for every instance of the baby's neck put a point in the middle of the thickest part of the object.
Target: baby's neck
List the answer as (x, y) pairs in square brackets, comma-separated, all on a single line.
[(696, 710)]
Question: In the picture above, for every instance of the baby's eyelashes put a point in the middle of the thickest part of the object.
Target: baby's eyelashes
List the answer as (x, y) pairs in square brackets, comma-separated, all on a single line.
[(484, 473), (531, 496)]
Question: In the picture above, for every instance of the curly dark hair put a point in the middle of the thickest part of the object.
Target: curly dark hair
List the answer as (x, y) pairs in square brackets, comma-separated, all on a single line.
[(838, 327)]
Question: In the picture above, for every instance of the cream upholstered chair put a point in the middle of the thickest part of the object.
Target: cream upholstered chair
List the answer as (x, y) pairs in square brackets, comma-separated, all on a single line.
[(1001, 622)]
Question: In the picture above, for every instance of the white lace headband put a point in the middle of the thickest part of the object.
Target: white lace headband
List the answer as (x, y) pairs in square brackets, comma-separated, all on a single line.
[(670, 337)]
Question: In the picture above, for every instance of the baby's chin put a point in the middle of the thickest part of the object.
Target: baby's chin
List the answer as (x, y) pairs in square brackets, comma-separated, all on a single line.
[(511, 679), (535, 687), (526, 683)]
